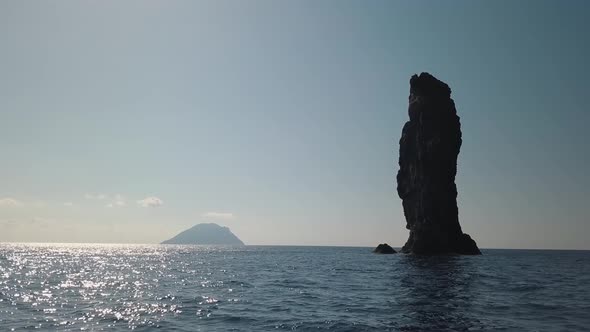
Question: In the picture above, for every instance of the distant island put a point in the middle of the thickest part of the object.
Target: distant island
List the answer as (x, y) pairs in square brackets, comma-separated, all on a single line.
[(206, 234)]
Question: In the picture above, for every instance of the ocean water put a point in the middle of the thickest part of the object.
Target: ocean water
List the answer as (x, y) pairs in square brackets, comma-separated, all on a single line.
[(191, 288)]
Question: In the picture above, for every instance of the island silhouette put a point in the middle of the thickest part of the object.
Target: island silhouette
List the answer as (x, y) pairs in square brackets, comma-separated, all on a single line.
[(206, 233)]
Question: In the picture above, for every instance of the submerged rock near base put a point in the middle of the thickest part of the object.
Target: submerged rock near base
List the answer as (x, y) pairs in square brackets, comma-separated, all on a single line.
[(384, 248), (429, 148)]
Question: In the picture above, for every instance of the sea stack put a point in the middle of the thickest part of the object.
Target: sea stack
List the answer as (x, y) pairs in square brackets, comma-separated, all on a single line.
[(429, 148)]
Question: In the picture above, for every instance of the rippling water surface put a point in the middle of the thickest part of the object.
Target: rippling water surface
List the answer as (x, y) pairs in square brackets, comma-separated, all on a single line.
[(191, 288)]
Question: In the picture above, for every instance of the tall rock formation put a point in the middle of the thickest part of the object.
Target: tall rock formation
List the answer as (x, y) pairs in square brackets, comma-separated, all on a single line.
[(429, 147)]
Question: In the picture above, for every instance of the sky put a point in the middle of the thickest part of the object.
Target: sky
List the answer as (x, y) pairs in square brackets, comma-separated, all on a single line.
[(128, 122)]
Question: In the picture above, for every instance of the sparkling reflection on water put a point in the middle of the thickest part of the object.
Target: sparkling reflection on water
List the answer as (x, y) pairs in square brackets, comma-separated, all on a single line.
[(192, 288)]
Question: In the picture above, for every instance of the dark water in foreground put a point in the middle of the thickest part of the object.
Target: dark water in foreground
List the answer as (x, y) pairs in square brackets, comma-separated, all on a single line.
[(184, 288)]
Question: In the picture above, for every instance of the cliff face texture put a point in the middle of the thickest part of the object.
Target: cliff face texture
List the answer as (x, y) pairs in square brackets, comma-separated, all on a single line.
[(429, 147)]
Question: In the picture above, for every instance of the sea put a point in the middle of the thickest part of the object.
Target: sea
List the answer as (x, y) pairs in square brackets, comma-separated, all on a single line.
[(105, 287)]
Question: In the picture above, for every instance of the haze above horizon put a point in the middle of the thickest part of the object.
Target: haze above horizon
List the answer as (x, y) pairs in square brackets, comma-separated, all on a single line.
[(132, 121)]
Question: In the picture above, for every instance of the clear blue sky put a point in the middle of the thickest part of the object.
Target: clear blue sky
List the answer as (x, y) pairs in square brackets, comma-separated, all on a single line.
[(131, 121)]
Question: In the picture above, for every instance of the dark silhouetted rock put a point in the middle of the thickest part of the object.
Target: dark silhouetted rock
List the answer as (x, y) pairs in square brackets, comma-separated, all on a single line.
[(384, 248), (429, 147), (206, 234)]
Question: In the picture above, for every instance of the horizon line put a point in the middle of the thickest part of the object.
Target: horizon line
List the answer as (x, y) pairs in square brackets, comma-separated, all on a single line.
[(261, 245)]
